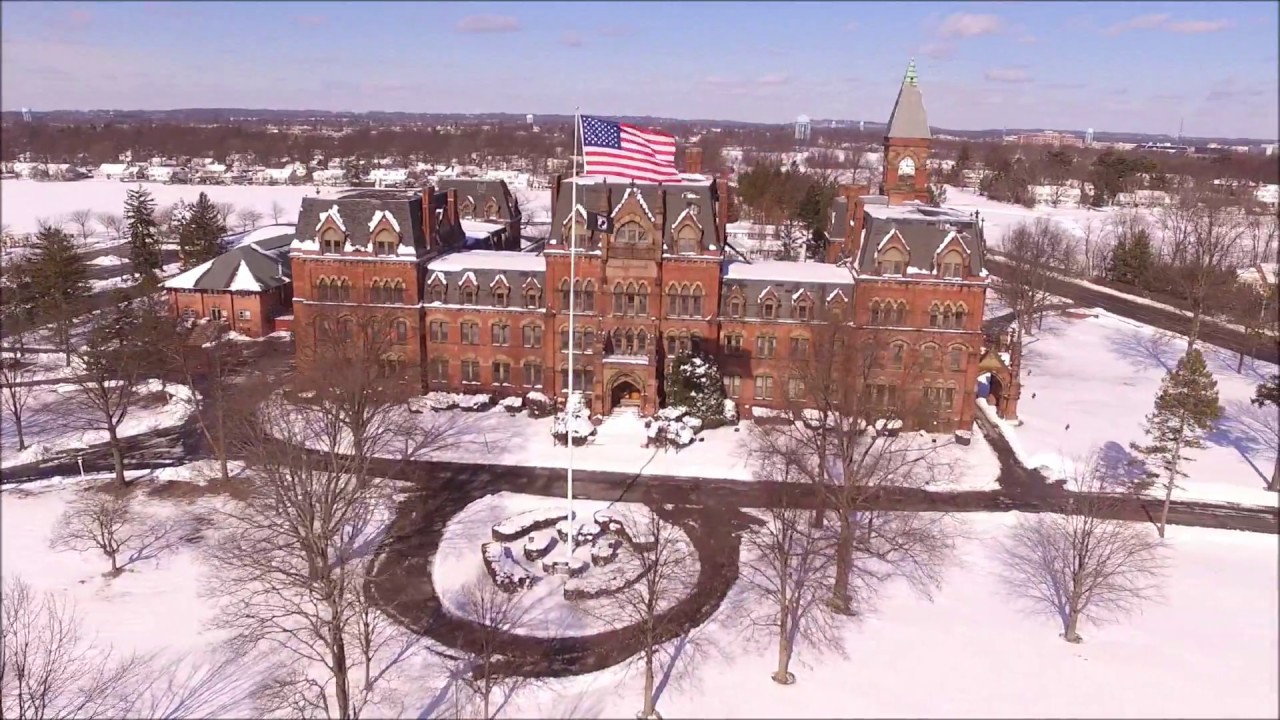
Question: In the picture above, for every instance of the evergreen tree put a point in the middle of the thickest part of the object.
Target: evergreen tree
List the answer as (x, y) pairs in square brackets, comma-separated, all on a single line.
[(1268, 393), (144, 233), (200, 234), (1131, 260), (1186, 408), (695, 383), (58, 277)]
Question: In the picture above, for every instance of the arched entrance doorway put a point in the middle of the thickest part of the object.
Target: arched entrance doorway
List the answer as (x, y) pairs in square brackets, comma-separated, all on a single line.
[(995, 392), (626, 392)]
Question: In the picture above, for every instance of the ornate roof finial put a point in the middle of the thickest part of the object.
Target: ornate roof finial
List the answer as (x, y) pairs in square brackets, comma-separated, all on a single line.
[(910, 79)]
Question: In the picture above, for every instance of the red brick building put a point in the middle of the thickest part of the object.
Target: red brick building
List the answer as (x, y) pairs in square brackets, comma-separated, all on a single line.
[(496, 321)]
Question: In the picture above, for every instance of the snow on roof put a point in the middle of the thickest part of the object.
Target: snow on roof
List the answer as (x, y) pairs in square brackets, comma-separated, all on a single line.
[(377, 217), (244, 281), (951, 235), (480, 228), (885, 240), (186, 280), (489, 260), (264, 233), (468, 276), (331, 213), (687, 211), (632, 190), (436, 276), (499, 278), (837, 293), (787, 271)]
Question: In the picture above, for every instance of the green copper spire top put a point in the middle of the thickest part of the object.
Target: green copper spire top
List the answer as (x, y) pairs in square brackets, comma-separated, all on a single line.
[(908, 118), (911, 79)]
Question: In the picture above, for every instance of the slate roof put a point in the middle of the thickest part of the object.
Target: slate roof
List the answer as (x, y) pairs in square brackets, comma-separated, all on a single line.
[(480, 190), (908, 119), (668, 200), (923, 229), (267, 261), (358, 207)]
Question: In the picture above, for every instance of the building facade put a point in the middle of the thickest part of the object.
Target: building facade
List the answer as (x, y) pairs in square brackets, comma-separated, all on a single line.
[(665, 280)]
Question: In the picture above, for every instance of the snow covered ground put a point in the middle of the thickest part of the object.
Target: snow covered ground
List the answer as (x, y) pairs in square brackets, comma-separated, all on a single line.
[(23, 203), (1090, 381), (618, 446), (1207, 648), (49, 426), (998, 218)]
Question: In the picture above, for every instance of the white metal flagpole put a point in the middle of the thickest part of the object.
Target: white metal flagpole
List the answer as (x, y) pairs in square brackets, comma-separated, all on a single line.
[(573, 276)]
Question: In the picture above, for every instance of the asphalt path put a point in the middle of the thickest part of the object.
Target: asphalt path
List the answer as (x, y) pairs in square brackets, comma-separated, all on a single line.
[(1211, 332)]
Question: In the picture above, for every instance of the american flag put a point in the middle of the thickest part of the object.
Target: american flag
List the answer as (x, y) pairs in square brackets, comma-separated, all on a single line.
[(621, 150)]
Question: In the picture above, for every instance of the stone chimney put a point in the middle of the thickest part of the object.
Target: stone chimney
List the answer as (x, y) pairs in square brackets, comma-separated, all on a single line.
[(428, 216), (693, 160), (722, 209)]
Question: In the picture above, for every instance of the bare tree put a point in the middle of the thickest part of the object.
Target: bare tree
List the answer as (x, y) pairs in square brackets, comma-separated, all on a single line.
[(1083, 564), (249, 218), (82, 220), (1201, 240), (496, 615), (660, 555), (291, 565), (217, 400), (847, 414), (15, 391), (97, 520), (276, 212), (113, 224), (788, 577), (1031, 253), (225, 211), (1095, 248), (110, 364), (49, 668)]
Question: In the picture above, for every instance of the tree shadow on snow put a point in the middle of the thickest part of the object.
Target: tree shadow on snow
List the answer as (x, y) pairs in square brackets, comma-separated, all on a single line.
[(1156, 350), (1252, 431), (1121, 468)]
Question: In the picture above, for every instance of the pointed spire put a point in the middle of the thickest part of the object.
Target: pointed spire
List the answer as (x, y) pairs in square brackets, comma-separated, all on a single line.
[(908, 118)]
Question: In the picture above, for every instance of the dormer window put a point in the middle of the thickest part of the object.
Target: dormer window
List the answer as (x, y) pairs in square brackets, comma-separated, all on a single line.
[(491, 209), (687, 240), (893, 261), (500, 296), (768, 309), (532, 297), (631, 233), (951, 265), (385, 243), (735, 307), (331, 241), (468, 295)]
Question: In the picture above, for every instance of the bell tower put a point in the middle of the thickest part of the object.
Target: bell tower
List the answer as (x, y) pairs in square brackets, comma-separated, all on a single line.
[(906, 145)]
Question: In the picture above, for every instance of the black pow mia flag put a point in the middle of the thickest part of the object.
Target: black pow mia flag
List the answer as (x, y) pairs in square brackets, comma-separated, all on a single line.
[(599, 222)]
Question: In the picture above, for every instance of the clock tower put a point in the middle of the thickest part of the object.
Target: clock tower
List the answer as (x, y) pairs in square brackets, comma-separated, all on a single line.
[(906, 145)]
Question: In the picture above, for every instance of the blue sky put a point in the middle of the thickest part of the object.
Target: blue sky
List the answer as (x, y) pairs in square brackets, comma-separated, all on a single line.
[(1111, 66)]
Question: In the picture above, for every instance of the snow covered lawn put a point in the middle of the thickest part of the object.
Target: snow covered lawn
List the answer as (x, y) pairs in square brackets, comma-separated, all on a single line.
[(23, 203), (49, 426), (721, 453), (1208, 648), (1089, 383)]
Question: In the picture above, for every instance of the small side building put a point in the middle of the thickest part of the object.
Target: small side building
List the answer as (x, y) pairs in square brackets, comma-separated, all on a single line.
[(248, 288)]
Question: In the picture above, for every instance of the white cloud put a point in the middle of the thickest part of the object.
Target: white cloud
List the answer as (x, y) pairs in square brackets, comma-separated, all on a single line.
[(1192, 27), (488, 24), (1007, 75), (970, 25), (571, 39), (776, 78), (1140, 22), (1165, 21)]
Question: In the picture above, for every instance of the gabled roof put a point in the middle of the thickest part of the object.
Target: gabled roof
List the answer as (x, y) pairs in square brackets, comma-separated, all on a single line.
[(908, 119), (668, 200), (250, 267), (481, 190)]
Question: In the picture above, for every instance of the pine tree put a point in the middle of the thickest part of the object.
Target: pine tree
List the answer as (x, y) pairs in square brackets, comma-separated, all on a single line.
[(200, 234), (59, 282), (695, 383), (144, 234), (1268, 393), (1131, 260), (1186, 408)]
